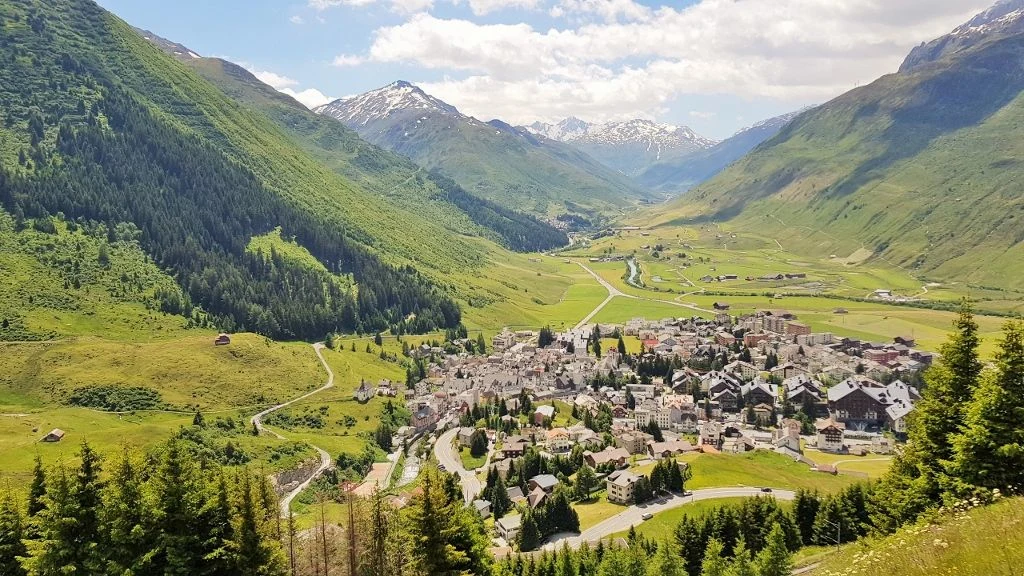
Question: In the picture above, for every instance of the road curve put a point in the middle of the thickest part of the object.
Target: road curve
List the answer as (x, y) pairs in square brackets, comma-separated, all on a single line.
[(633, 515), (614, 292), (325, 459), (448, 457)]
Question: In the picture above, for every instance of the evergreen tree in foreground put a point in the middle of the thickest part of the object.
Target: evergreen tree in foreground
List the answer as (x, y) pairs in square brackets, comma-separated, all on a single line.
[(989, 453), (775, 560), (12, 545)]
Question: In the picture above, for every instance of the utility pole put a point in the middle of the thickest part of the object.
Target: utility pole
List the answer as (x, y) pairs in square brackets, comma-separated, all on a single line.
[(839, 532)]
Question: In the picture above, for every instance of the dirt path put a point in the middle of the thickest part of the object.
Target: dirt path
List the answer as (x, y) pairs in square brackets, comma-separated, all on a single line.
[(325, 459)]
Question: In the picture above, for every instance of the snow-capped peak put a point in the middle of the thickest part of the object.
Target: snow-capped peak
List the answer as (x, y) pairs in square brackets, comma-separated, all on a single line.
[(999, 16), (378, 104), (637, 131)]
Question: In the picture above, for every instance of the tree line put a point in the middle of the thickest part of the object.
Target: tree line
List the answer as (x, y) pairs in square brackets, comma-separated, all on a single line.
[(106, 157), (516, 230)]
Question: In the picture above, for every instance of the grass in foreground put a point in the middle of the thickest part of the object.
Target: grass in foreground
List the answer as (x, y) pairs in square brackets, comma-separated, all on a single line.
[(985, 541)]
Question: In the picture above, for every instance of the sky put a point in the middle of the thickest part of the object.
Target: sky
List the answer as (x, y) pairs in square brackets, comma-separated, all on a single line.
[(713, 65)]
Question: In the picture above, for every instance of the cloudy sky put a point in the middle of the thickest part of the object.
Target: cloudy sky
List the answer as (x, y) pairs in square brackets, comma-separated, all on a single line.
[(714, 65)]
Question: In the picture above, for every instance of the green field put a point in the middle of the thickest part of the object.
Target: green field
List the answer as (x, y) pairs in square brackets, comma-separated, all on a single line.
[(758, 468), (596, 510), (664, 523), (873, 465)]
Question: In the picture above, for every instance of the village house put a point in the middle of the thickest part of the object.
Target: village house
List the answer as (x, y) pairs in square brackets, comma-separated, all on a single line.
[(508, 527), (545, 482), (633, 442), (620, 486), (830, 435), (558, 441), (610, 455), (55, 435), (668, 449), (542, 414), (465, 436)]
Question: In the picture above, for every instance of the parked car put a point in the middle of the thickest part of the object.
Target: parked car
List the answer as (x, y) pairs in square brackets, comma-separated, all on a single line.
[(768, 490), (647, 516)]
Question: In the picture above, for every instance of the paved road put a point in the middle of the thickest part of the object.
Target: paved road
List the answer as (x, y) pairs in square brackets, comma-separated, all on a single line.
[(614, 292), (448, 457), (633, 515), (325, 459)]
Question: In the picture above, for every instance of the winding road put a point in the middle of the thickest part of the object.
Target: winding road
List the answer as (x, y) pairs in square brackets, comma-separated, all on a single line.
[(633, 515), (448, 457), (325, 459)]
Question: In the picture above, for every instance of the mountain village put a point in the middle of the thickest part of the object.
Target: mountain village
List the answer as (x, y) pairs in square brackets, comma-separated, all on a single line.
[(728, 385)]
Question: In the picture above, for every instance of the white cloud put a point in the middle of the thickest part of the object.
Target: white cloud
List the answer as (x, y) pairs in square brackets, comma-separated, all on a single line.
[(310, 97), (346, 60), (482, 7), (609, 10), (633, 61), (296, 19), (276, 81), (702, 115)]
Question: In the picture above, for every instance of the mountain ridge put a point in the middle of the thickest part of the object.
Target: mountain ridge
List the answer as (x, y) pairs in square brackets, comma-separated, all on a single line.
[(680, 175), (918, 168), (628, 146), (491, 159)]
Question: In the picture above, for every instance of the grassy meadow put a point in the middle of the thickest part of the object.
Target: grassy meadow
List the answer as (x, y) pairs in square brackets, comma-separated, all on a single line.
[(986, 541)]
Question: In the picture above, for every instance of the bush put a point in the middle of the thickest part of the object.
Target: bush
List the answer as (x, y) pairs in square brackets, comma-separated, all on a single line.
[(116, 398)]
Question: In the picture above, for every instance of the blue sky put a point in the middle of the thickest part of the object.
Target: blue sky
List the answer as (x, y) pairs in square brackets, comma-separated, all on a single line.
[(714, 65)]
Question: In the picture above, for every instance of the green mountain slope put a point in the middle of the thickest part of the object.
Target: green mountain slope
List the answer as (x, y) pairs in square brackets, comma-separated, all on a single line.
[(920, 168), (394, 178), (491, 159)]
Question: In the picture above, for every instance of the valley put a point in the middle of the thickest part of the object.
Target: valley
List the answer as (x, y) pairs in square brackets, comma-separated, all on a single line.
[(246, 332)]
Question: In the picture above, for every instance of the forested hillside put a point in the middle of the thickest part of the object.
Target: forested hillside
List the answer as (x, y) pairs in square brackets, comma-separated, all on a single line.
[(383, 172), (920, 168), (90, 132)]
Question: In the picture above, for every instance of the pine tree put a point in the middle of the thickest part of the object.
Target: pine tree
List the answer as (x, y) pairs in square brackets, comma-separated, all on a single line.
[(989, 453), (665, 561), (179, 504), (566, 566), (805, 509), (775, 559), (500, 501), (714, 564), (377, 561), (12, 545), (127, 520), (621, 346), (481, 344), (950, 387), (586, 482), (742, 564), (446, 538), (58, 529), (37, 491), (529, 533)]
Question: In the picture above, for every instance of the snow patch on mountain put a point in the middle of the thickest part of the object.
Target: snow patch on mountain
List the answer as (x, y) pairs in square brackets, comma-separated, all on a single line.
[(998, 17), (655, 137), (397, 97)]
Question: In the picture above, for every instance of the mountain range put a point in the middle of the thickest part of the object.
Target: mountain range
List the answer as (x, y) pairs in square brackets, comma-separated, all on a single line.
[(920, 168), (676, 176), (492, 159), (628, 147)]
